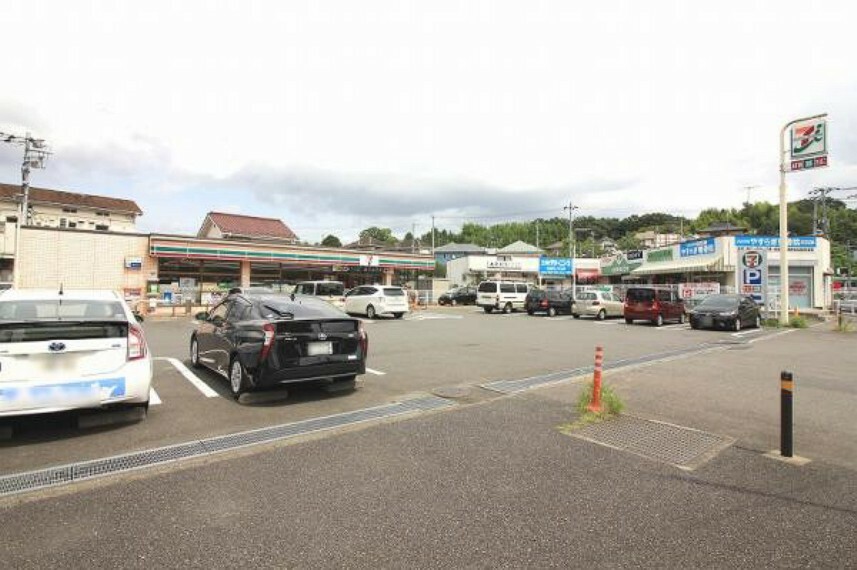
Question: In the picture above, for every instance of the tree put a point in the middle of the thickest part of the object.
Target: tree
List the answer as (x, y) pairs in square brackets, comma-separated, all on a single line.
[(331, 240), (380, 234)]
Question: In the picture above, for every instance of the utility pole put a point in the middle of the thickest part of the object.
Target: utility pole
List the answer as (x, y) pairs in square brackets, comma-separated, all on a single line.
[(413, 236), (35, 155), (748, 189), (572, 247), (537, 234), (432, 236)]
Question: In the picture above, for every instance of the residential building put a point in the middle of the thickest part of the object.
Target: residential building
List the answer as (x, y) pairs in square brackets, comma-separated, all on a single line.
[(219, 225), (650, 239), (450, 251)]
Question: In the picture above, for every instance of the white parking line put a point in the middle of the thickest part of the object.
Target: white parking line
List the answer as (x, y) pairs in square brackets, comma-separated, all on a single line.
[(375, 372), (745, 333), (191, 377), (154, 399), (677, 326)]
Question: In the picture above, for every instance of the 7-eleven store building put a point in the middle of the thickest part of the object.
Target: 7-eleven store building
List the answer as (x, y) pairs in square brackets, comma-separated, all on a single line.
[(196, 266)]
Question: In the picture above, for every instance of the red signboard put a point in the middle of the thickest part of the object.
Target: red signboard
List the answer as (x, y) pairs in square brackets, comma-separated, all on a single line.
[(808, 163)]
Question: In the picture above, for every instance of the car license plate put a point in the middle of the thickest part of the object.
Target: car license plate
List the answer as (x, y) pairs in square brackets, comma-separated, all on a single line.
[(319, 348)]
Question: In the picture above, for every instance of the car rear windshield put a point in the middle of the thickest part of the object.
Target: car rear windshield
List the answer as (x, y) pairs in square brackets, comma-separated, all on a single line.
[(487, 287), (640, 295), (36, 331), (330, 289), (38, 310), (393, 292)]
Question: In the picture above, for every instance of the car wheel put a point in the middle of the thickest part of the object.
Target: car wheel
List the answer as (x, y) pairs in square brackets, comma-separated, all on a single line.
[(659, 320), (694, 325), (575, 315), (758, 321), (194, 353), (453, 302), (370, 312), (530, 312), (602, 314), (398, 315), (488, 309), (237, 378), (736, 326), (681, 318), (507, 308), (551, 312), (629, 321)]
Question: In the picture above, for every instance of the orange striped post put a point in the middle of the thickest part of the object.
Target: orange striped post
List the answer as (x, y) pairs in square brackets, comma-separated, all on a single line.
[(595, 404)]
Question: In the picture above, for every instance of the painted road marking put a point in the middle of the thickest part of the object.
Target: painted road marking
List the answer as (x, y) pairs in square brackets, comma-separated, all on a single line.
[(745, 333), (191, 377), (677, 326), (154, 399), (375, 372), (432, 316)]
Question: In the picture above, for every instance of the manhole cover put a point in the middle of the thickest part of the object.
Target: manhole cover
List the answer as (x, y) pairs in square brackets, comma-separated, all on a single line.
[(452, 392), (680, 446)]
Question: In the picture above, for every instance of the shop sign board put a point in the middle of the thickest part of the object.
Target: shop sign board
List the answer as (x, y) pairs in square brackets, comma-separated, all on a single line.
[(697, 247), (134, 263), (634, 255), (659, 255), (187, 282), (698, 291), (752, 275), (555, 266), (504, 265), (370, 261), (798, 243), (808, 144)]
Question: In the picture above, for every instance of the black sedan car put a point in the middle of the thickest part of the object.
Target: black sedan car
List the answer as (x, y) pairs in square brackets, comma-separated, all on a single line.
[(458, 296), (549, 302), (729, 312), (262, 340)]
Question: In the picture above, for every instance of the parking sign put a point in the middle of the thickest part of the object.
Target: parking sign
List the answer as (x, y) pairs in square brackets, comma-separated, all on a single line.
[(752, 276)]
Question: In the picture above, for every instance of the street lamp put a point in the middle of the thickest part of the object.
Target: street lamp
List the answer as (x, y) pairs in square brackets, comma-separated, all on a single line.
[(572, 247)]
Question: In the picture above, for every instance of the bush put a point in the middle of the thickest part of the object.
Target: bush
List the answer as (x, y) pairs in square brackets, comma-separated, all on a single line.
[(611, 404), (797, 322)]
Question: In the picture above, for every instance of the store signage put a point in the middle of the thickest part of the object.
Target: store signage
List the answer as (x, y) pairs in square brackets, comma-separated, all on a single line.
[(697, 247), (504, 265), (634, 255), (696, 291), (187, 282), (134, 263), (555, 266), (808, 144), (659, 255), (800, 243), (752, 277), (370, 261)]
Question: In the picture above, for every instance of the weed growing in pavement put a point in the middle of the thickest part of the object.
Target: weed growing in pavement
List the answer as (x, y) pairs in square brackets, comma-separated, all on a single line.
[(798, 322), (771, 323), (611, 405)]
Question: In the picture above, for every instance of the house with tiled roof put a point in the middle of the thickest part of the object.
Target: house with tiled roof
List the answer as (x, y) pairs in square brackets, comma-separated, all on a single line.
[(63, 209), (450, 251), (520, 248), (219, 225)]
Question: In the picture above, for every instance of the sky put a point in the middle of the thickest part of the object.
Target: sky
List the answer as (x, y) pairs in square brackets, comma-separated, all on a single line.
[(338, 115)]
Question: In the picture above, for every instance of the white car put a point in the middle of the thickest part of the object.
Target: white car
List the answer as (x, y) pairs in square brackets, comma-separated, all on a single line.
[(70, 350), (505, 296), (598, 304), (331, 291), (373, 300)]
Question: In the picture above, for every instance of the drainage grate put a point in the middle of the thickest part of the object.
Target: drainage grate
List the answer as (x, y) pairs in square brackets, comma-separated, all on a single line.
[(53, 476), (522, 384), (683, 447)]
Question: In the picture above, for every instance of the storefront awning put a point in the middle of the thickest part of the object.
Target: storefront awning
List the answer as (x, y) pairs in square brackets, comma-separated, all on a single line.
[(699, 264)]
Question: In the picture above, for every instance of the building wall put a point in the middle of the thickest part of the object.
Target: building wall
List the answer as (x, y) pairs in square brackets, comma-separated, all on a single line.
[(79, 259), (87, 219)]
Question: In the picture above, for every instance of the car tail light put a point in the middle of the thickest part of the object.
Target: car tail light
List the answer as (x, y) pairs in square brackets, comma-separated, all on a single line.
[(270, 333), (655, 306), (544, 303), (136, 343), (364, 340)]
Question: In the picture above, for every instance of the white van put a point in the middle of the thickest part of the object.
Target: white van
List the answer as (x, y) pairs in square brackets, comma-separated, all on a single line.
[(331, 291), (502, 295)]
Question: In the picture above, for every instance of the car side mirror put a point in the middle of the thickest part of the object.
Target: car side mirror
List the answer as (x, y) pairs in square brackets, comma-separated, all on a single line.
[(139, 317), (201, 316)]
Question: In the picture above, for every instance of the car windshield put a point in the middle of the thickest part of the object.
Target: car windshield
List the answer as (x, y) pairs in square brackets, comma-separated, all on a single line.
[(719, 302), (393, 292), (487, 287), (29, 310)]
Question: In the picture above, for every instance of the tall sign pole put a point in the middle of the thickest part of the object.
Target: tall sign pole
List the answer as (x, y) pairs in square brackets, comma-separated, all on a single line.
[(807, 149)]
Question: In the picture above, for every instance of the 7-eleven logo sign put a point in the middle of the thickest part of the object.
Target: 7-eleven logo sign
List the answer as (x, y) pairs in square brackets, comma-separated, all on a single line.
[(809, 139)]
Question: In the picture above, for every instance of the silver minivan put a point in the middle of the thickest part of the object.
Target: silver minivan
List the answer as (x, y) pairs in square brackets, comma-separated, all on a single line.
[(505, 296), (331, 291)]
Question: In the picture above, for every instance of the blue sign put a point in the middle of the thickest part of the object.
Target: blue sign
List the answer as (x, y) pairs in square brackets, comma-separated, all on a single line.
[(697, 247), (555, 265), (805, 243)]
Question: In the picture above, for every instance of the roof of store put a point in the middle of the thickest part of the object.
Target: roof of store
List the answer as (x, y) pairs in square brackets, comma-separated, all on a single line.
[(459, 248), (519, 247), (63, 198)]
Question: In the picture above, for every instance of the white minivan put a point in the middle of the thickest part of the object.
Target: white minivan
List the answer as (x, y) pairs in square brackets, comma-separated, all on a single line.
[(503, 296), (331, 291)]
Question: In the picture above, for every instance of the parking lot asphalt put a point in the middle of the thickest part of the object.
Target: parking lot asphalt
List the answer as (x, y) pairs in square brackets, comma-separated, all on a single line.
[(428, 350), (494, 484)]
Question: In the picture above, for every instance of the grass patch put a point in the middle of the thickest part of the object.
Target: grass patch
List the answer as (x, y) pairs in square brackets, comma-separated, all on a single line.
[(611, 405), (798, 322)]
